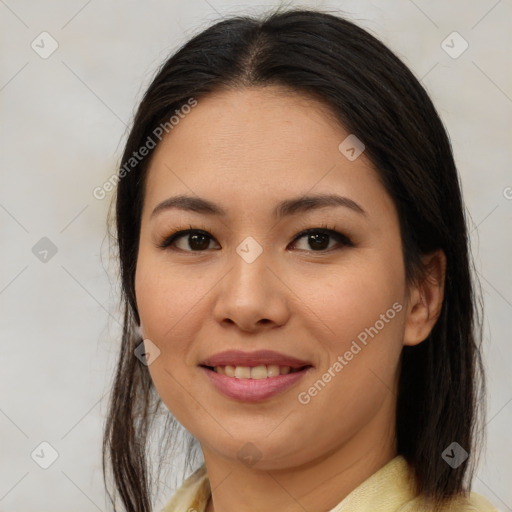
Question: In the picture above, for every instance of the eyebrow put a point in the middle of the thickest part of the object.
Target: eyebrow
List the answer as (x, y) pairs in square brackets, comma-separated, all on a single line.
[(283, 209)]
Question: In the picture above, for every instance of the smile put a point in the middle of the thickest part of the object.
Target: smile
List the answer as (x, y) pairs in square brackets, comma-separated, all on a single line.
[(254, 372), (252, 384)]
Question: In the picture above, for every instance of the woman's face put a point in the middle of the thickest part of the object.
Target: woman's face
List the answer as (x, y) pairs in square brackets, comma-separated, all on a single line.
[(249, 284)]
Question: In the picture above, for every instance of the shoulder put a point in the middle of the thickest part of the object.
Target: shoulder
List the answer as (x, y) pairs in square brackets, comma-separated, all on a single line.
[(192, 494), (392, 489), (473, 502), (481, 504)]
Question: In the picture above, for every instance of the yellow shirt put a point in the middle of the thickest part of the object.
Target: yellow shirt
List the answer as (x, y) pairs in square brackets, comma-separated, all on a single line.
[(387, 490)]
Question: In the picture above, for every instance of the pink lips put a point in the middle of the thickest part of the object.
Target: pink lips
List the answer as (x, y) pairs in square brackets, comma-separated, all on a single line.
[(253, 390), (259, 357)]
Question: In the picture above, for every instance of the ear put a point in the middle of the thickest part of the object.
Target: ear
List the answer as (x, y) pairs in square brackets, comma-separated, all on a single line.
[(425, 299)]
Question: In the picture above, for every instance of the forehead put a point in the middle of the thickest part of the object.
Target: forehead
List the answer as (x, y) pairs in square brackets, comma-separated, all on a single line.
[(253, 146), (270, 122)]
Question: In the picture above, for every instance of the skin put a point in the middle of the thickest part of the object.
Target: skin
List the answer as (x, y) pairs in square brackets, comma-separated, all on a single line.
[(246, 150)]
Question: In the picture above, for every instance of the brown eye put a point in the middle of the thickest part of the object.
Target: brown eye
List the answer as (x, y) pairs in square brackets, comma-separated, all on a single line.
[(194, 240), (318, 239)]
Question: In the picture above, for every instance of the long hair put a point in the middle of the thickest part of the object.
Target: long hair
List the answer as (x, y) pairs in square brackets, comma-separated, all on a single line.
[(373, 94)]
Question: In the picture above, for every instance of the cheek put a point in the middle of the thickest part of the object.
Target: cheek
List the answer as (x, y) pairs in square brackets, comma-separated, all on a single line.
[(168, 309), (166, 299), (351, 297), (361, 309), (173, 304), (359, 369)]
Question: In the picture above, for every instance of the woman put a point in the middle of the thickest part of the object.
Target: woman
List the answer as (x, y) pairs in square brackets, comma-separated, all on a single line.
[(296, 278)]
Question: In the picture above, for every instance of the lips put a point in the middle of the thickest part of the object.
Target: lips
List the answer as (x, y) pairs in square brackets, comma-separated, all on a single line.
[(251, 359)]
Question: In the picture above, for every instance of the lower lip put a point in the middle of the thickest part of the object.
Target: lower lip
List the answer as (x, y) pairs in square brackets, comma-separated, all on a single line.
[(253, 390)]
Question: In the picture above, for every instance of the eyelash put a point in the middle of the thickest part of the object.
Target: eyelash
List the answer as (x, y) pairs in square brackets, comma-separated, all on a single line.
[(181, 231)]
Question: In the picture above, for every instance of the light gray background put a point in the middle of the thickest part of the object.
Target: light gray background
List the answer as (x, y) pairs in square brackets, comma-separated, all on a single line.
[(64, 121)]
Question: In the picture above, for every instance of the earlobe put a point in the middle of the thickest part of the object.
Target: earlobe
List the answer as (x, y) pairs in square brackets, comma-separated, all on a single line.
[(426, 299)]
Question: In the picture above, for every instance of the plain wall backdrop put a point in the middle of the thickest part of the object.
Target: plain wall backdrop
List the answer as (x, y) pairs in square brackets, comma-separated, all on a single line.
[(71, 76)]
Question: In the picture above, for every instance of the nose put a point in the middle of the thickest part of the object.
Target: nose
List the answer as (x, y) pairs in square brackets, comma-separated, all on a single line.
[(252, 296)]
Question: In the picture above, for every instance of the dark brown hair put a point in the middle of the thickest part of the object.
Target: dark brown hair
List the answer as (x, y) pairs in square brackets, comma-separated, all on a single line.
[(376, 97)]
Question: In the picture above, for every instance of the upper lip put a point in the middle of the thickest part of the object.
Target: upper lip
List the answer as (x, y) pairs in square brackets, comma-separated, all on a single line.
[(259, 357)]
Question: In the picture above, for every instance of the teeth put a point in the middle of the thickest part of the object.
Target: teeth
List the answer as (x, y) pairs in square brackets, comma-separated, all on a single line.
[(255, 372), (242, 372)]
